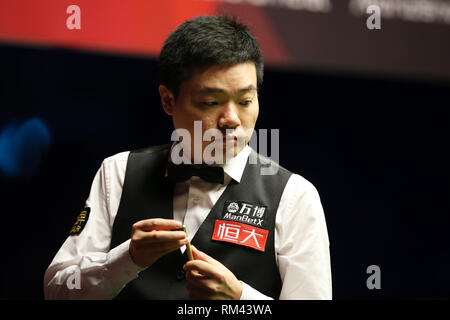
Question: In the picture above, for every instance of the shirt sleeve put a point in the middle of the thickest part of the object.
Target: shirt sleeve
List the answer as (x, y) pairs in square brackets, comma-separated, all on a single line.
[(302, 243), (250, 293), (85, 267)]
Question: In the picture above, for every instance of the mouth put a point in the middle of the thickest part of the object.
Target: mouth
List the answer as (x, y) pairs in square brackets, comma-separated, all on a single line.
[(229, 139)]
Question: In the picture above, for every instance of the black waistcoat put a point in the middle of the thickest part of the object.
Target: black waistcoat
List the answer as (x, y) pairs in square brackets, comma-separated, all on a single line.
[(147, 194)]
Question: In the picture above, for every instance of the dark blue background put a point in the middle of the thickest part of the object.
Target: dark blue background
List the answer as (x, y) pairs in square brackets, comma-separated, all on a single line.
[(376, 148)]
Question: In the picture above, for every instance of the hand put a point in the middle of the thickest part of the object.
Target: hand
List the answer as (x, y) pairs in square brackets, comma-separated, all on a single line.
[(209, 279), (153, 238)]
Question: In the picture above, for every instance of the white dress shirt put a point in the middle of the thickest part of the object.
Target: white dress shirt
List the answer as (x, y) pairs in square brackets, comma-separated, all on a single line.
[(301, 238)]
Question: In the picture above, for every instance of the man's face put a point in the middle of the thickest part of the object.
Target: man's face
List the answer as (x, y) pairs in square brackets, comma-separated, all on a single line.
[(223, 98)]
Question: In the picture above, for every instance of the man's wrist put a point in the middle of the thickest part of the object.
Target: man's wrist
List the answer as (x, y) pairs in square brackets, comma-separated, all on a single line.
[(120, 258)]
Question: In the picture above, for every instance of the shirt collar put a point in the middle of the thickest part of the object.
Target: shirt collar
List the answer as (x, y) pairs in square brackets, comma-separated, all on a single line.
[(233, 168)]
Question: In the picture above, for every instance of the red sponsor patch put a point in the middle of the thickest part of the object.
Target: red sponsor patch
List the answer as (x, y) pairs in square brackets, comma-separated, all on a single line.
[(241, 234)]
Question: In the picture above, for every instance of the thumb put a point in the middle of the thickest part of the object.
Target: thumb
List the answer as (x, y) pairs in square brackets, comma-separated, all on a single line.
[(199, 255)]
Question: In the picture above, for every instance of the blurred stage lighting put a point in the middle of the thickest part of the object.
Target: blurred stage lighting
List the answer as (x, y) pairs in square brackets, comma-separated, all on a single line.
[(22, 147)]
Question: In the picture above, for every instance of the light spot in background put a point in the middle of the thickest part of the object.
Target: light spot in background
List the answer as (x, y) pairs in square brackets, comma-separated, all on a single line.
[(22, 147)]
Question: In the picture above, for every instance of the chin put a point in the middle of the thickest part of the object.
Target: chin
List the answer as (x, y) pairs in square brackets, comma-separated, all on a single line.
[(232, 152)]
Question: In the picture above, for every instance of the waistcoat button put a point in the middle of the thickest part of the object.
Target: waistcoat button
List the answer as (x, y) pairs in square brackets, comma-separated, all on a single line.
[(180, 275)]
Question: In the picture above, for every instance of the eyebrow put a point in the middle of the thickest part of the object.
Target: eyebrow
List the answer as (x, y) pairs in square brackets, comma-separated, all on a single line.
[(217, 90)]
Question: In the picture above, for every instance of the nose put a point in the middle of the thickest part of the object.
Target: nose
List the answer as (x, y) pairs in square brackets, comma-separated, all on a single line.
[(229, 117)]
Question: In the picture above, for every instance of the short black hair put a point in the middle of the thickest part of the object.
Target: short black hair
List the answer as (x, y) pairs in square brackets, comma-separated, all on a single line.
[(204, 41)]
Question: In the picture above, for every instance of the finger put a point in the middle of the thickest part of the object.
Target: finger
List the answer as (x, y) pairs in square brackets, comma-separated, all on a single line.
[(160, 248), (194, 275), (203, 289), (157, 224), (199, 255), (158, 236), (196, 292), (202, 267), (166, 247)]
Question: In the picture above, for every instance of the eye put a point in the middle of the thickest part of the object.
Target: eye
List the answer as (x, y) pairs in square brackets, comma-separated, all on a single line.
[(210, 103), (246, 103)]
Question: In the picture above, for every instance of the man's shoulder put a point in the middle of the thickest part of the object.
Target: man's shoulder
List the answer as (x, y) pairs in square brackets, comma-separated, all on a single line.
[(300, 183), (152, 149), (120, 157), (123, 156)]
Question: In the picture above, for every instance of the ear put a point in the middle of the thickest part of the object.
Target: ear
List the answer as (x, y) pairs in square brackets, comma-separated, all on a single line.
[(167, 99)]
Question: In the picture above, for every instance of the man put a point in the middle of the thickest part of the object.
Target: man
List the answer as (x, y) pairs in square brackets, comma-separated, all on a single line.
[(254, 236)]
